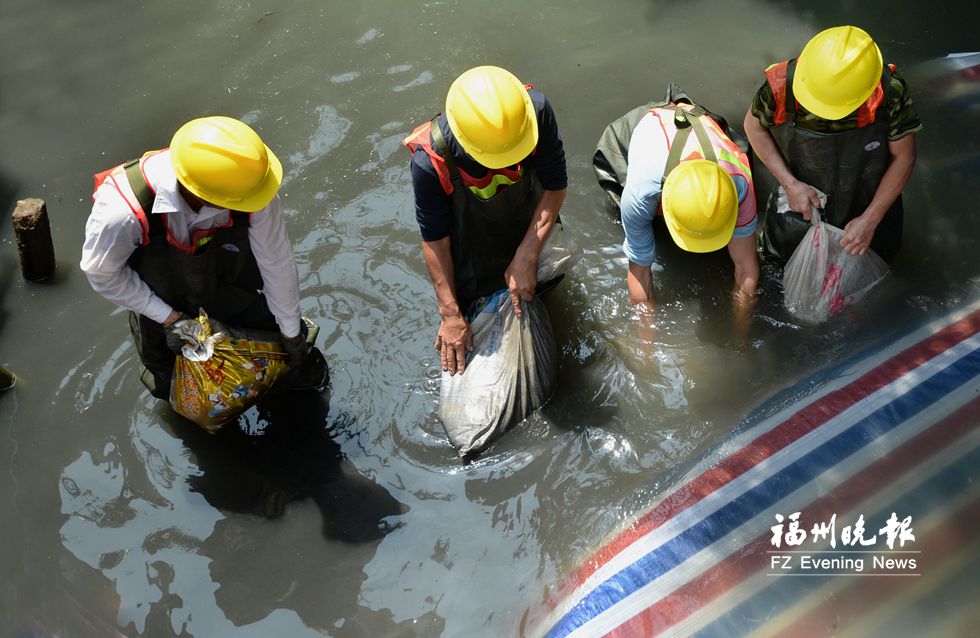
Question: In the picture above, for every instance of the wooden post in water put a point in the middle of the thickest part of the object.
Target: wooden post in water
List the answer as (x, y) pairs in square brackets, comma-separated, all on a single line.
[(7, 379), (34, 244)]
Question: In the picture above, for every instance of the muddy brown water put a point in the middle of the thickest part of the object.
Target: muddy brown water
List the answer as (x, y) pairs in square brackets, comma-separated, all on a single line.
[(351, 516)]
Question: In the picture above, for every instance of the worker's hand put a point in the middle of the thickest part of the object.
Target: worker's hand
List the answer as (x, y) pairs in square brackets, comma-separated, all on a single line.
[(171, 331), (453, 342), (521, 277), (297, 348), (802, 198), (858, 234)]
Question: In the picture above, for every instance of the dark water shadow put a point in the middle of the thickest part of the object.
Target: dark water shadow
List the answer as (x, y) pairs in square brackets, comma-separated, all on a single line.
[(9, 265), (9, 268), (291, 456), (8, 198), (62, 272)]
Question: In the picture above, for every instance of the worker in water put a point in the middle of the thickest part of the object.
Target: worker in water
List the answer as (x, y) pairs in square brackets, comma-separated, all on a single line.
[(198, 225), (837, 120), (683, 166), (489, 179)]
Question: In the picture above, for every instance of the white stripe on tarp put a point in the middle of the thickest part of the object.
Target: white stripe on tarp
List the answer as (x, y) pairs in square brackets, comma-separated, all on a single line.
[(835, 476), (856, 371), (788, 455), (890, 495)]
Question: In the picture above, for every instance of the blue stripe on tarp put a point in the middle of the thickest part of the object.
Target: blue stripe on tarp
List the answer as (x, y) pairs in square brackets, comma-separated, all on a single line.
[(752, 614), (800, 392), (704, 533)]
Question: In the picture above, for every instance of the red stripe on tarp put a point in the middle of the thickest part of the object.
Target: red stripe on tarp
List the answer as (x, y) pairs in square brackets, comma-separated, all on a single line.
[(798, 425), (737, 567)]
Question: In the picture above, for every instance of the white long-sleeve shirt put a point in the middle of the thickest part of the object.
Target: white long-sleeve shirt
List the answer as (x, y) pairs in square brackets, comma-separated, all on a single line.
[(113, 232), (648, 151)]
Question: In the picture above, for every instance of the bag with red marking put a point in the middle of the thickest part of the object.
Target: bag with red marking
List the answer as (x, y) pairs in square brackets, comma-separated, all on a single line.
[(821, 278)]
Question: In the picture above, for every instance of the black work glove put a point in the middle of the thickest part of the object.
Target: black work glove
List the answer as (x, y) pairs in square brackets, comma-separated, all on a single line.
[(297, 349), (174, 341)]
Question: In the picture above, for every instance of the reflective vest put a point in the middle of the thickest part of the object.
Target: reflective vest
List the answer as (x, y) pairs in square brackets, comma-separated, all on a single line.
[(776, 77), (214, 270), (483, 187), (611, 159), (490, 216), (130, 180), (721, 149)]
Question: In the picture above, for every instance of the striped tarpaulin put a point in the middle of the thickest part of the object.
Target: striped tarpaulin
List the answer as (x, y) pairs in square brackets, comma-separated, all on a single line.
[(697, 559)]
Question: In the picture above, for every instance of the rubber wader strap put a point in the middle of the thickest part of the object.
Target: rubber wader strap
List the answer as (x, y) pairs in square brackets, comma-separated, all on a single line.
[(140, 188), (145, 197), (788, 96), (439, 140), (685, 121)]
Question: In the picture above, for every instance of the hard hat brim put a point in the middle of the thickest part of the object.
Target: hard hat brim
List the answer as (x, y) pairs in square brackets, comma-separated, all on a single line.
[(261, 196), (685, 238), (703, 244), (822, 109)]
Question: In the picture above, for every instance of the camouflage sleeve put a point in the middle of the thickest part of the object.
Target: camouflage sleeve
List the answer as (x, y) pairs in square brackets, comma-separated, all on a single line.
[(903, 119), (764, 105)]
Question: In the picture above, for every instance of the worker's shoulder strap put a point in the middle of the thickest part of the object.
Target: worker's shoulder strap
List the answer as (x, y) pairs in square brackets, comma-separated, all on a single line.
[(144, 196), (240, 224), (789, 98), (442, 147), (142, 190), (684, 121), (611, 158)]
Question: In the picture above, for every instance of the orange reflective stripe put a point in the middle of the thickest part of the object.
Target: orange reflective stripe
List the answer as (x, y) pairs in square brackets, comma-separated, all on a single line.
[(417, 137), (484, 187), (134, 206), (509, 174), (421, 138), (868, 110), (776, 77), (198, 237), (111, 175)]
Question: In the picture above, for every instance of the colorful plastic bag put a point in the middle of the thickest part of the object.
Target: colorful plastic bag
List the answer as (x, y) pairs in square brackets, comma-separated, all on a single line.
[(223, 371), (821, 278)]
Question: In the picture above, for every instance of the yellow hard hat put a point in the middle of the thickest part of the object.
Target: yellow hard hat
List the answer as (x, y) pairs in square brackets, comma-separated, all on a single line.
[(492, 116), (700, 205), (225, 163), (837, 71)]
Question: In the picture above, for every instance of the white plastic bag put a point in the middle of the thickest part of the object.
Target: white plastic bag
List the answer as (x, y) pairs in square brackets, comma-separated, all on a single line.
[(512, 369), (558, 254), (509, 374), (821, 278), (782, 199)]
